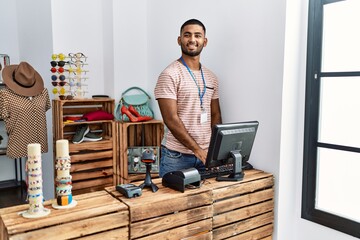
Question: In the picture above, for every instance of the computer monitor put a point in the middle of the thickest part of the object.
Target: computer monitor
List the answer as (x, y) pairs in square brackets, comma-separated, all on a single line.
[(231, 143)]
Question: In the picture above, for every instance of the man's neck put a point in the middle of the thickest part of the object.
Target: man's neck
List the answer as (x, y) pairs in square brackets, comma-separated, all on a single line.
[(192, 62)]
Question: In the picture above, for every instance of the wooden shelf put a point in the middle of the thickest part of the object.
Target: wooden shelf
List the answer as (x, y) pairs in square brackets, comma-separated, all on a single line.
[(92, 163), (135, 134)]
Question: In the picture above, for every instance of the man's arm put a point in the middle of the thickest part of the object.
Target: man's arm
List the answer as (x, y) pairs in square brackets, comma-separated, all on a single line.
[(168, 108), (215, 112)]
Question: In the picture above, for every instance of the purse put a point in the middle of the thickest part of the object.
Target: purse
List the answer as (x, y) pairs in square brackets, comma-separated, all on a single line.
[(140, 101)]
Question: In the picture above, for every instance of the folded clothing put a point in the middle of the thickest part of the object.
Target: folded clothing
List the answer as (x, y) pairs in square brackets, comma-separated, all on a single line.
[(98, 115)]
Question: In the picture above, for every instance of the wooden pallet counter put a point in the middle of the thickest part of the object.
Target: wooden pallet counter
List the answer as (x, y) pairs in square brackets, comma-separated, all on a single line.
[(93, 164), (135, 134), (169, 214), (245, 209), (97, 215)]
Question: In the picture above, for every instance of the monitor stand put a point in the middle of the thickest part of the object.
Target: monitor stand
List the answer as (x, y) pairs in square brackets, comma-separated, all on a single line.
[(238, 173)]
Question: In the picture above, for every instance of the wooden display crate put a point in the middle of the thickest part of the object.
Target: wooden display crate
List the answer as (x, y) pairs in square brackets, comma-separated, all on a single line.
[(96, 216), (130, 134), (93, 164), (169, 214), (245, 209)]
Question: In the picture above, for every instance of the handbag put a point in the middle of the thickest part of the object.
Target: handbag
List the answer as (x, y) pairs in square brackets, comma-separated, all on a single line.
[(140, 101)]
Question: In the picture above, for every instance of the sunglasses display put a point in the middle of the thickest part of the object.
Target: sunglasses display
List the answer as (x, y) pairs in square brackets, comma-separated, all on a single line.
[(67, 78)]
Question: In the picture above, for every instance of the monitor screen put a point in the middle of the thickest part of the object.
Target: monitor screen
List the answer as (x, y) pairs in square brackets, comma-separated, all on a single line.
[(231, 143)]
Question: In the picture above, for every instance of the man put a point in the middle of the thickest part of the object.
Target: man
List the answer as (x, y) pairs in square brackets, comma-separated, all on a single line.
[(188, 98)]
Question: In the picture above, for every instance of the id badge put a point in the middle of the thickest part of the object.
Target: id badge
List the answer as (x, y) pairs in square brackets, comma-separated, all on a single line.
[(203, 116)]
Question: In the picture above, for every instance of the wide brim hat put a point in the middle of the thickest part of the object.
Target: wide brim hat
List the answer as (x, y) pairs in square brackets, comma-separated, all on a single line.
[(23, 79)]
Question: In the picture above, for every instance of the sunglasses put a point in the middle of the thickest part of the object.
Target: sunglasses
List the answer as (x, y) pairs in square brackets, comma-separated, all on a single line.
[(62, 91), (59, 56), (54, 70), (61, 84), (60, 77), (59, 63), (77, 55), (68, 97)]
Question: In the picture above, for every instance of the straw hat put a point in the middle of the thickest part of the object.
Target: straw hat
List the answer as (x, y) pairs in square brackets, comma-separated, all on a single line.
[(23, 79)]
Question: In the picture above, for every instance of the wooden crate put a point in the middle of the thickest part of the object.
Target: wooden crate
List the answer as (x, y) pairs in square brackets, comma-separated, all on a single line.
[(245, 209), (131, 134), (97, 215), (93, 164), (169, 214)]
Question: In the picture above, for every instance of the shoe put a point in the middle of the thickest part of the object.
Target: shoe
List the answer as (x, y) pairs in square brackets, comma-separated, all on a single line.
[(81, 131), (133, 111), (137, 114), (132, 118), (92, 137)]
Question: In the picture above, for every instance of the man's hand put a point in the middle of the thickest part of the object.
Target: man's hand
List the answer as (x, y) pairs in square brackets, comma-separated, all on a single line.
[(201, 154)]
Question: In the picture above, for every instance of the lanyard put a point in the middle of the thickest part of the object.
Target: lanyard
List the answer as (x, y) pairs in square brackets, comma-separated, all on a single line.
[(201, 95)]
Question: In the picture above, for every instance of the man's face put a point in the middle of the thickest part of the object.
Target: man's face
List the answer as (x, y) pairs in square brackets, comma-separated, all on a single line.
[(192, 40)]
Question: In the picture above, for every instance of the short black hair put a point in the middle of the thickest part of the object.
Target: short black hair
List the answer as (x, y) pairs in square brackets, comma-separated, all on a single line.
[(192, 22)]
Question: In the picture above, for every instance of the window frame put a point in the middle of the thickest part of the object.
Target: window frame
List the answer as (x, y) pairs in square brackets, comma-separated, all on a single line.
[(312, 108)]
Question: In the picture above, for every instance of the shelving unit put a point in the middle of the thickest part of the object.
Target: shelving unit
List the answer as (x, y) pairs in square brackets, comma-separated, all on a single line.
[(135, 134), (93, 165)]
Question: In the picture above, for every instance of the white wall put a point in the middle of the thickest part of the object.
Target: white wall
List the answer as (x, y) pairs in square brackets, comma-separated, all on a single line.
[(261, 75), (27, 37), (8, 45)]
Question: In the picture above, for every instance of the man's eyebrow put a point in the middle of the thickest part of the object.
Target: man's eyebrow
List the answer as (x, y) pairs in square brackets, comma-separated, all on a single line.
[(193, 33)]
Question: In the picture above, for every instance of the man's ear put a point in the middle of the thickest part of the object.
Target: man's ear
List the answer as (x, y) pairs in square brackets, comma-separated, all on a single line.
[(179, 40), (205, 42)]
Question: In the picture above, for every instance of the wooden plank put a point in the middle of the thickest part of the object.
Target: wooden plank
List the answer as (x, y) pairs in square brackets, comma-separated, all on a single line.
[(147, 210), (243, 213), (170, 200), (77, 229), (200, 236), (77, 167), (255, 224), (90, 189), (158, 224), (267, 238), (120, 234), (87, 207), (186, 231), (262, 233), (92, 174), (249, 184), (91, 156), (91, 146), (243, 200), (91, 183)]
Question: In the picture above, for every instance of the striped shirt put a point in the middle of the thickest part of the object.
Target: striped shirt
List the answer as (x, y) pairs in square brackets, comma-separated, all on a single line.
[(175, 82)]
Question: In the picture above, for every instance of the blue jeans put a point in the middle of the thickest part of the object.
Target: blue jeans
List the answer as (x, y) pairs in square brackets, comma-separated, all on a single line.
[(173, 161)]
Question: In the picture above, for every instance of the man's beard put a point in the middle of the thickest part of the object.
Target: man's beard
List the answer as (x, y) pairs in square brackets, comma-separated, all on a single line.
[(191, 54)]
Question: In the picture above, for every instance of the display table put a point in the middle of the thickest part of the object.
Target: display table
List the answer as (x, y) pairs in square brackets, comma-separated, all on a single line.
[(216, 210), (97, 215), (169, 214), (243, 209)]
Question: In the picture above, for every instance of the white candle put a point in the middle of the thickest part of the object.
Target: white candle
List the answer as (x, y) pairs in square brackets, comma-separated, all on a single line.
[(34, 149), (62, 148)]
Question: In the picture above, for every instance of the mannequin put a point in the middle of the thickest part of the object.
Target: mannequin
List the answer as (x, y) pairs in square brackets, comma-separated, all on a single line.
[(23, 105)]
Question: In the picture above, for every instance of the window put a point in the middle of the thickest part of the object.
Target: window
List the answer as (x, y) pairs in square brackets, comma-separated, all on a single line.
[(331, 173)]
